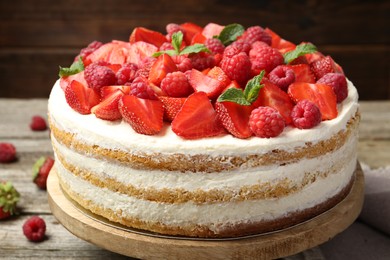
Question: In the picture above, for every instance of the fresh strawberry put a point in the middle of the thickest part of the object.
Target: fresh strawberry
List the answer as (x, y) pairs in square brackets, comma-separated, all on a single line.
[(218, 74), (212, 29), (272, 96), (7, 152), (189, 30), (81, 98), (172, 106), (321, 95), (278, 43), (41, 170), (38, 123), (146, 35), (9, 197), (234, 118), (197, 118), (204, 83), (108, 90), (139, 52), (160, 68), (115, 52), (303, 73), (198, 38), (144, 115), (312, 57), (65, 81), (108, 109)]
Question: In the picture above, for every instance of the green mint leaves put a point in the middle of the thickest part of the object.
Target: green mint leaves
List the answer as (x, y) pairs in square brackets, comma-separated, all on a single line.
[(230, 33), (75, 68), (244, 97), (177, 39), (301, 49)]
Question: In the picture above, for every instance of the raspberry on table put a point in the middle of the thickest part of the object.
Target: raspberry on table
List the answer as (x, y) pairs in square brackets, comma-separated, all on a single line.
[(237, 67), (126, 73), (38, 123), (338, 82), (98, 76), (266, 122), (7, 152), (140, 88), (306, 114), (214, 45), (34, 229), (265, 58), (256, 33), (176, 84), (282, 76)]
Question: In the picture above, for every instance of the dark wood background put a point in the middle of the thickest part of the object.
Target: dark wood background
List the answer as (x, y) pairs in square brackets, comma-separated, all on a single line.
[(38, 36)]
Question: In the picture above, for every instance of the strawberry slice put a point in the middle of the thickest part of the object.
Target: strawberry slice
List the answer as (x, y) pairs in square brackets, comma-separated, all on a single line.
[(279, 43), (144, 115), (218, 74), (172, 106), (303, 73), (139, 52), (197, 118), (108, 108), (160, 68), (115, 52), (203, 83), (189, 30), (198, 38), (212, 29), (234, 118), (108, 90), (80, 97), (146, 35), (322, 95), (272, 96), (65, 81)]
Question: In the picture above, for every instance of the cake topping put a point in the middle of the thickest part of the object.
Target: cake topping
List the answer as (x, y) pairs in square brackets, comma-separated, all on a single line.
[(306, 114)]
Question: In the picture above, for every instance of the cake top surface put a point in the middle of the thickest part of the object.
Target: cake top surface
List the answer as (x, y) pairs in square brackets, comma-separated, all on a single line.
[(229, 84)]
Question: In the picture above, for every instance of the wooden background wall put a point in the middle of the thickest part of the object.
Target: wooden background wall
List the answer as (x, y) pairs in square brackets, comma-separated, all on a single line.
[(38, 36)]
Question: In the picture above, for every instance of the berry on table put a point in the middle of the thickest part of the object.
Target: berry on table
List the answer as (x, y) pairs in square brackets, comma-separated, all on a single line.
[(9, 197), (306, 114), (34, 229), (38, 123), (41, 170), (266, 122), (7, 152)]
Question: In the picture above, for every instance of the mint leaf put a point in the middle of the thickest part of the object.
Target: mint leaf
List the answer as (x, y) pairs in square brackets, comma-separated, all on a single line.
[(196, 48), (253, 87), (169, 52), (234, 95), (75, 68), (177, 39), (300, 50), (230, 33)]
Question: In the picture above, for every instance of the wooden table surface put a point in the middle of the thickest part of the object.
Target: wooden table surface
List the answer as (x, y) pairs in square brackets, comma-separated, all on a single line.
[(15, 115)]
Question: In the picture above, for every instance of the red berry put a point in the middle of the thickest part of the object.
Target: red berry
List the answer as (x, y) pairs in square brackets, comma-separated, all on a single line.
[(7, 152), (265, 58), (9, 198), (306, 114), (231, 50), (41, 170), (166, 46), (98, 76), (81, 98), (241, 45), (140, 88), (202, 60), (237, 67), (89, 49), (38, 123), (126, 73), (257, 33), (214, 45), (34, 229), (183, 63), (171, 29), (282, 76), (339, 84), (266, 122), (323, 66), (176, 84)]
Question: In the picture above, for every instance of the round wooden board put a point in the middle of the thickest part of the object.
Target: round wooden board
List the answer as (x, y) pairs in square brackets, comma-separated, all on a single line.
[(268, 246)]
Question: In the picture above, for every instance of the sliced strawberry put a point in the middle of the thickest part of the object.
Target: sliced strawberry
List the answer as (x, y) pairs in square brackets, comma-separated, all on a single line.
[(115, 52), (234, 118), (65, 81), (312, 57), (203, 83), (218, 74), (80, 97), (146, 35), (212, 29), (279, 43), (108, 109), (139, 52), (172, 106), (108, 90), (198, 38), (322, 95), (272, 96), (144, 115), (197, 118), (160, 68), (303, 73), (189, 31)]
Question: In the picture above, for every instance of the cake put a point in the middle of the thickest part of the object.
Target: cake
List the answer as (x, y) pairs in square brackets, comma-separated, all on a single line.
[(211, 132)]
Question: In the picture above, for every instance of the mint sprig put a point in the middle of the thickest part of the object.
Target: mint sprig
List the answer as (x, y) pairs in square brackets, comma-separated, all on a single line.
[(244, 97), (230, 33), (75, 68), (177, 39), (300, 50)]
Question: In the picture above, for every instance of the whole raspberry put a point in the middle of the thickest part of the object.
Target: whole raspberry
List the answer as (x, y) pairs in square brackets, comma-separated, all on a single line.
[(34, 229), (171, 29), (323, 66), (176, 84), (256, 33), (140, 88), (183, 63), (7, 152), (339, 84), (38, 123), (98, 76), (242, 45), (265, 58), (214, 45), (266, 122), (305, 114), (230, 51), (237, 67), (126, 73), (89, 49), (166, 46), (202, 60), (282, 76)]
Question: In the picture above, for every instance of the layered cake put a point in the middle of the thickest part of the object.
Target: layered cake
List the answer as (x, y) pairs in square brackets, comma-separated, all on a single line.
[(214, 131)]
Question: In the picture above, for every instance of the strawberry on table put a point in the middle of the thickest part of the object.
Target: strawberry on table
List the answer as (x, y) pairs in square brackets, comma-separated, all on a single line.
[(41, 170), (7, 152), (9, 197), (38, 123)]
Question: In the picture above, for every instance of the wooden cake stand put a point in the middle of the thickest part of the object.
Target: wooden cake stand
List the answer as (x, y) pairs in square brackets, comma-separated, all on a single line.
[(266, 246)]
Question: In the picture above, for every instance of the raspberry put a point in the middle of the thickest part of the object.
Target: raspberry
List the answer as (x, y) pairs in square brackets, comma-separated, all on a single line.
[(166, 46), (171, 29), (266, 122), (242, 45), (89, 49), (282, 76), (305, 114), (256, 33), (214, 45), (339, 84), (183, 63), (176, 84), (265, 58), (38, 123), (202, 60), (237, 67), (34, 229), (7, 152), (126, 73), (98, 76), (140, 88), (323, 66), (231, 50)]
